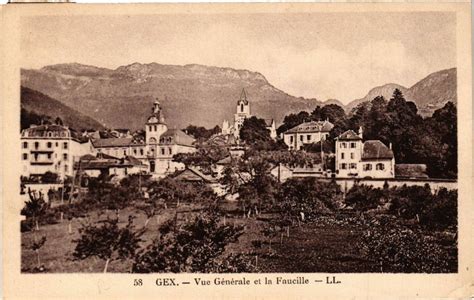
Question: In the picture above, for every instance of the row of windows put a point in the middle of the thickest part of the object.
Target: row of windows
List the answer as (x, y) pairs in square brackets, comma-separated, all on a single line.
[(366, 167), (48, 134), (48, 145), (153, 128), (351, 145), (343, 155), (345, 166), (308, 138), (163, 151), (135, 152), (35, 156)]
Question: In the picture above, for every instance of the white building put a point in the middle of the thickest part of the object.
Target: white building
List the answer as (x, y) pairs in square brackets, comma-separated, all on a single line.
[(158, 149), (50, 148), (103, 164), (369, 159), (307, 133), (242, 113)]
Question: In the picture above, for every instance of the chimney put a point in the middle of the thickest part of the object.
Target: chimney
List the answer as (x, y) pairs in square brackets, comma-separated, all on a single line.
[(360, 132), (390, 145)]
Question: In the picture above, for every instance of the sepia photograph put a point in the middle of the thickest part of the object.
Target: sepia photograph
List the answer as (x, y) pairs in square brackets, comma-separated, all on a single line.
[(276, 142)]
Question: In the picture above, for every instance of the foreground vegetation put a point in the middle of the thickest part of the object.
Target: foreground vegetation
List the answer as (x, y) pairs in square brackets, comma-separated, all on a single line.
[(302, 225)]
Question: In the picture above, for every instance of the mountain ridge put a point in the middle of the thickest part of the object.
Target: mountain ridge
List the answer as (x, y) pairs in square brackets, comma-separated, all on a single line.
[(429, 94), (36, 102), (207, 93)]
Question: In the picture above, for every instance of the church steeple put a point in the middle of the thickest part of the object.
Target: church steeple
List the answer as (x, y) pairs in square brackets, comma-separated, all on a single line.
[(155, 125), (156, 113), (243, 98)]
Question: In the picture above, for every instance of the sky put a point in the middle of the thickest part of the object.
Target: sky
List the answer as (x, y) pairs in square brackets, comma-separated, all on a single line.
[(314, 55)]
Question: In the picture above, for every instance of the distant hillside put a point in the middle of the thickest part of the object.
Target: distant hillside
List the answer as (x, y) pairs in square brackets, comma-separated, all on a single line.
[(333, 101), (37, 103), (190, 94), (433, 91), (385, 90), (429, 94), (197, 94)]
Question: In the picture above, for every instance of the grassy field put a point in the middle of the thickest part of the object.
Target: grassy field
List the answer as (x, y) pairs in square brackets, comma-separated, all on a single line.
[(322, 247), (326, 245)]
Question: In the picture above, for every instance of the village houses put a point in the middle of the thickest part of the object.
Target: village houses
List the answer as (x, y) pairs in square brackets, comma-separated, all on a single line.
[(53, 148)]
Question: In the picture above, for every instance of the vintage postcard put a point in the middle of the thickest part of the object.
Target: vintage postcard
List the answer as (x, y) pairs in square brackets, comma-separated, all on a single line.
[(277, 150)]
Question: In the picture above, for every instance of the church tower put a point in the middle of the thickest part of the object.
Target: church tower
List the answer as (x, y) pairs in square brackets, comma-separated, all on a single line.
[(242, 113), (154, 128)]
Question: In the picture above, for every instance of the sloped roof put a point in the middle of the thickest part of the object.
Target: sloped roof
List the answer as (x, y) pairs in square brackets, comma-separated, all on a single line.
[(375, 149), (349, 135), (133, 160), (193, 174), (89, 162), (313, 126), (222, 140), (43, 130), (105, 156), (87, 157), (113, 142), (177, 137), (317, 168)]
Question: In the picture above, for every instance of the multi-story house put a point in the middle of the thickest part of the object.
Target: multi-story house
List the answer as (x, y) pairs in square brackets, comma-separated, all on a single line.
[(307, 133), (369, 159), (50, 148)]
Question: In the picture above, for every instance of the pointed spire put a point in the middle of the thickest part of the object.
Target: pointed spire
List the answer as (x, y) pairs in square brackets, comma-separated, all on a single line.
[(243, 97)]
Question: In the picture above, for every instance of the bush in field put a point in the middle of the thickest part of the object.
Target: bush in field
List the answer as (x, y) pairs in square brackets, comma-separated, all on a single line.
[(173, 191), (108, 241), (436, 211), (442, 212), (34, 208), (194, 246), (104, 194), (258, 192), (398, 249), (410, 202), (308, 196), (235, 263), (364, 197)]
